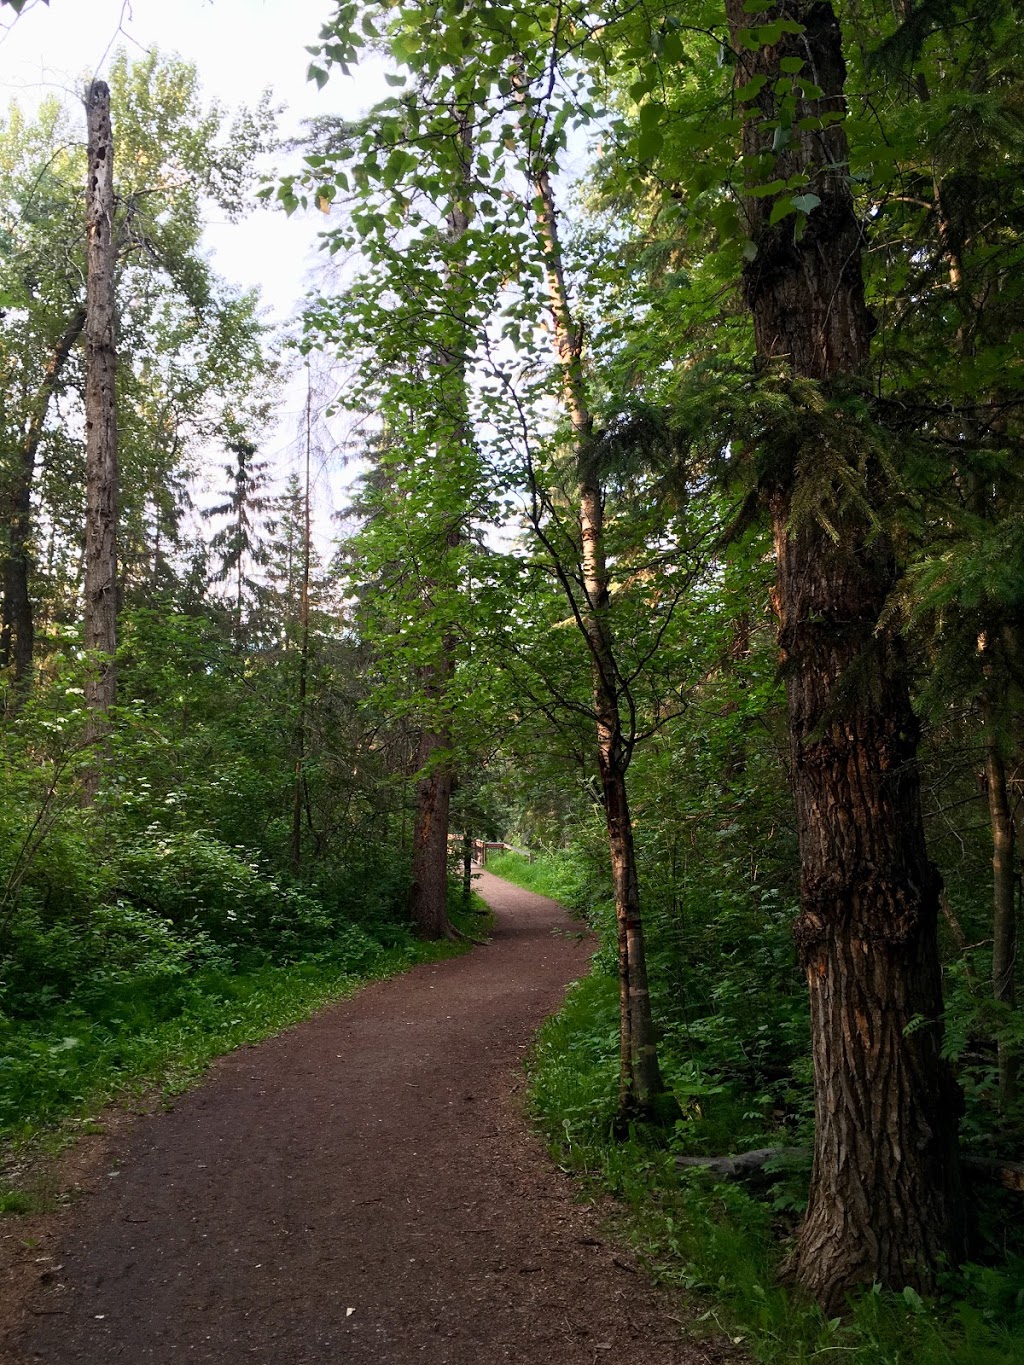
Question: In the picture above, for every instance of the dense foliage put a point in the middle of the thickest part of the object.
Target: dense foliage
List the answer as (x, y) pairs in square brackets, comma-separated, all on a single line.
[(559, 586)]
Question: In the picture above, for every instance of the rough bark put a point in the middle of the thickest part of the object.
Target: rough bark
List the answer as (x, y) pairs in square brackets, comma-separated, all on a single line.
[(641, 1086), (17, 632), (885, 1202), (100, 416)]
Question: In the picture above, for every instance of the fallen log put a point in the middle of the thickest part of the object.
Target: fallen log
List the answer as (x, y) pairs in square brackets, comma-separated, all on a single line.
[(1009, 1174), (752, 1166), (748, 1166)]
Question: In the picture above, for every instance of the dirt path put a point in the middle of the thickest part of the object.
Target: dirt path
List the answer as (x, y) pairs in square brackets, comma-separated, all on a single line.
[(362, 1188)]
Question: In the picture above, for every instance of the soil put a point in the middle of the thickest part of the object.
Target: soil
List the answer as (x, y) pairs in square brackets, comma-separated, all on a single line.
[(362, 1188)]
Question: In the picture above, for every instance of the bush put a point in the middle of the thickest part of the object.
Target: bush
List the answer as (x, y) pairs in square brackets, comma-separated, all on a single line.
[(210, 891)]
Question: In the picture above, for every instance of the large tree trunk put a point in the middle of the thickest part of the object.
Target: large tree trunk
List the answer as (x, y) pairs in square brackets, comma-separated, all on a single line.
[(885, 1202), (100, 418), (17, 633), (428, 901)]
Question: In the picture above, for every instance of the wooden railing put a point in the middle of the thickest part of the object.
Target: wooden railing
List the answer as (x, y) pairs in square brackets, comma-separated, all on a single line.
[(481, 848)]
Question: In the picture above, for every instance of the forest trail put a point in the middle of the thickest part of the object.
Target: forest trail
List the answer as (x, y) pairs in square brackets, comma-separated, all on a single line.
[(362, 1188)]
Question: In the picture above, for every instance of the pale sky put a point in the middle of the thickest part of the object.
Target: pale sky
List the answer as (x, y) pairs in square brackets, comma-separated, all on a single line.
[(239, 48)]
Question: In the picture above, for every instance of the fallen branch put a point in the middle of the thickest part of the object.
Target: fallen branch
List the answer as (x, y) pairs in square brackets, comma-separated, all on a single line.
[(752, 1166), (1009, 1174), (745, 1165)]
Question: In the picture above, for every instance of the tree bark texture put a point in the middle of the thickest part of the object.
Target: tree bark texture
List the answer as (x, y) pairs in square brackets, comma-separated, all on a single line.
[(640, 1079), (17, 632), (885, 1201), (100, 415)]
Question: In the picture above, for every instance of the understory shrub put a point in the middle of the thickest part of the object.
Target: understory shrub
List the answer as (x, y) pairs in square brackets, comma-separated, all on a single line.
[(719, 1244)]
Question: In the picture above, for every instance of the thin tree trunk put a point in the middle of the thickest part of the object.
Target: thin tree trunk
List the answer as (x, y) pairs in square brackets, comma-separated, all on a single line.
[(300, 724), (640, 1081), (100, 420), (17, 632), (467, 867), (1004, 887), (885, 1201)]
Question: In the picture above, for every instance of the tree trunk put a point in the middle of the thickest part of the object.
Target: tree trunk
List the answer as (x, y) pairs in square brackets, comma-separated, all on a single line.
[(17, 633), (641, 1087), (100, 419), (300, 722), (467, 867), (885, 1201), (17, 639), (428, 901), (1004, 887)]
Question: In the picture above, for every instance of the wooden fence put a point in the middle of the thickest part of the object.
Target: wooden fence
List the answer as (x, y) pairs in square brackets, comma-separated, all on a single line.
[(481, 848)]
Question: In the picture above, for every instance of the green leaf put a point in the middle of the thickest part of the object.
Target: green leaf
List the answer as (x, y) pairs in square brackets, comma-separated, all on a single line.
[(782, 208), (752, 88), (651, 115), (763, 191), (650, 143), (805, 203)]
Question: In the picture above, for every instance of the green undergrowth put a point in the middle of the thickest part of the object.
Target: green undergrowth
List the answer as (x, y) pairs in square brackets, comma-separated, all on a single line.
[(136, 1031), (720, 1245)]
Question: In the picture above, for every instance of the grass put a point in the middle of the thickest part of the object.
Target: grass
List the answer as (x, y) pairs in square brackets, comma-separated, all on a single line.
[(161, 1034), (720, 1246), (560, 878)]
